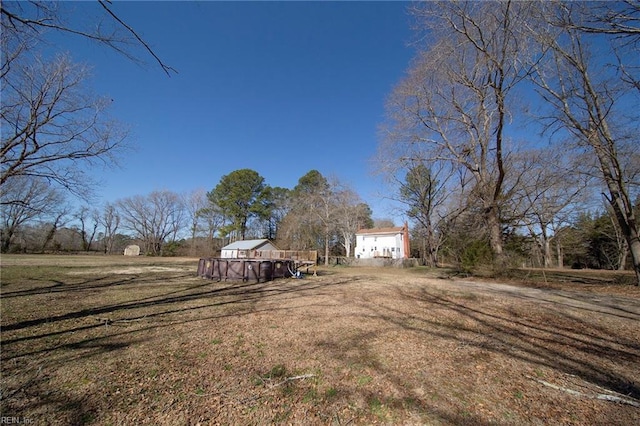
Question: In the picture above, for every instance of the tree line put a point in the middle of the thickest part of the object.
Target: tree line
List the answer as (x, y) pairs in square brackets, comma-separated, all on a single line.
[(510, 118), (318, 213)]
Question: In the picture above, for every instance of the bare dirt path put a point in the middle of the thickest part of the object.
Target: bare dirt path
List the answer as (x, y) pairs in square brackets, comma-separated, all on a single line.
[(598, 301)]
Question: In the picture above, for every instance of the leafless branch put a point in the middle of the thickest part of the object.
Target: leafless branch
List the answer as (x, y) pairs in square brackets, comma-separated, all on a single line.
[(167, 69), (48, 19)]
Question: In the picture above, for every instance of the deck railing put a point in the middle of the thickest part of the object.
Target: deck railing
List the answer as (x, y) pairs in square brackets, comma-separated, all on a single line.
[(298, 255)]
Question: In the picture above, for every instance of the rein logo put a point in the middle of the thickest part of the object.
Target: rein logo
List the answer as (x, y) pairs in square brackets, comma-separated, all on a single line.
[(15, 421)]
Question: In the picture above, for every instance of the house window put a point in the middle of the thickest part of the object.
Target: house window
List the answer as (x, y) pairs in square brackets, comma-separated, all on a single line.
[(393, 249), (375, 238)]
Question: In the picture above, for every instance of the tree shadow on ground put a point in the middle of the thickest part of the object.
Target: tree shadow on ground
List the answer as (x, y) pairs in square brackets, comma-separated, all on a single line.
[(560, 339), (544, 341), (96, 328), (556, 338)]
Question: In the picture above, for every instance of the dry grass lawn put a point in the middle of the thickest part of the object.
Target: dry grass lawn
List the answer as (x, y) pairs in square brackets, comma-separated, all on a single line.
[(120, 341)]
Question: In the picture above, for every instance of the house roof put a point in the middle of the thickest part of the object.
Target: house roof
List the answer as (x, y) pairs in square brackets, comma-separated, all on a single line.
[(378, 231), (247, 244)]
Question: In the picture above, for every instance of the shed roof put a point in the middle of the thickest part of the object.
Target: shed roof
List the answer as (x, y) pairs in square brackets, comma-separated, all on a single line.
[(247, 244), (378, 231)]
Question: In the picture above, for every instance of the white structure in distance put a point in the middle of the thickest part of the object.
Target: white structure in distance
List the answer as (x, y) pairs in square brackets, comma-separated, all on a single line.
[(392, 243)]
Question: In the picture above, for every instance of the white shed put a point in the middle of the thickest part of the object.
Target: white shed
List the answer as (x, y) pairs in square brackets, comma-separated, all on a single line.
[(383, 242), (242, 249), (132, 250)]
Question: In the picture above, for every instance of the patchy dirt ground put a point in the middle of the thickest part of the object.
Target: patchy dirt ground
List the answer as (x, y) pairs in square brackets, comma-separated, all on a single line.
[(113, 341)]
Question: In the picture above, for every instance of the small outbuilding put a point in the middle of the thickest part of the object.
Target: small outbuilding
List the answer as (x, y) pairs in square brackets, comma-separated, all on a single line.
[(132, 250), (246, 248)]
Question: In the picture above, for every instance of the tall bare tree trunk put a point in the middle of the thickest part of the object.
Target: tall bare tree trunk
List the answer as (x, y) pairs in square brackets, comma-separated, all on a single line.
[(559, 253), (494, 228), (326, 247), (547, 252)]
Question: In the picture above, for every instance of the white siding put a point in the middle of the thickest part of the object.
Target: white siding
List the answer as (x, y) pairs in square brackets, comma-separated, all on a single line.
[(379, 245), (234, 253), (229, 254)]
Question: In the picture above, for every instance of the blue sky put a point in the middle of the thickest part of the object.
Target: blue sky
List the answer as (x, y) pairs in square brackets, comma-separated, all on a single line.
[(278, 87)]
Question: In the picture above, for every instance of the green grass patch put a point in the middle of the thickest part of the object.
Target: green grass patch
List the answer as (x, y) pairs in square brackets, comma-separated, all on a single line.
[(331, 393), (378, 409), (278, 371), (364, 380)]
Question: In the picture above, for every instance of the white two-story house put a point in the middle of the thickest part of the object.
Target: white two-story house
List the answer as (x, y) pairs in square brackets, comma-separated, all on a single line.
[(391, 243)]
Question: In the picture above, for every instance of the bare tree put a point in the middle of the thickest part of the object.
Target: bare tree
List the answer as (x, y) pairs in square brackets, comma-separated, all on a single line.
[(383, 223), (321, 206), (351, 214), (154, 218), (298, 230), (423, 192), (618, 21), (89, 223), (213, 220), (110, 221), (52, 127), (622, 246), (454, 102), (59, 216), (194, 203), (587, 102), (549, 197), (314, 200), (23, 200), (310, 220), (24, 23)]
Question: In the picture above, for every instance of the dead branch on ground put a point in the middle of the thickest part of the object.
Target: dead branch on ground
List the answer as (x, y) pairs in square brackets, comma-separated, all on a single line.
[(609, 396)]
